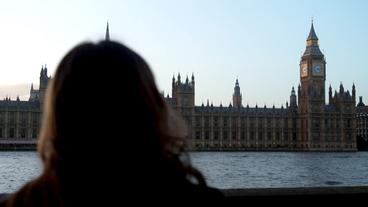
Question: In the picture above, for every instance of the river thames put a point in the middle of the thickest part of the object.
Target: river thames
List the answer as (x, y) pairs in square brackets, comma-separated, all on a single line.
[(232, 169)]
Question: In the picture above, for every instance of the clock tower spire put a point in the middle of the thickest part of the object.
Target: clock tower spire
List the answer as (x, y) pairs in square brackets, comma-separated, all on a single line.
[(313, 71), (312, 79)]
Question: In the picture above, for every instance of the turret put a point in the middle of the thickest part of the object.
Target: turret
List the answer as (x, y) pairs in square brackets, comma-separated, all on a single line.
[(341, 88), (312, 39), (299, 94), (183, 93), (33, 94), (237, 96), (107, 35), (360, 101), (353, 93), (293, 103), (312, 48), (179, 80), (330, 95), (44, 79)]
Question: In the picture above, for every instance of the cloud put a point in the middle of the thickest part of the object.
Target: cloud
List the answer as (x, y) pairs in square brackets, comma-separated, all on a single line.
[(14, 90)]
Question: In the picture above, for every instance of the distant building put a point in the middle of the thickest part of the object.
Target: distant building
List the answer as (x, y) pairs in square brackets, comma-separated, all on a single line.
[(21, 119), (307, 124), (362, 120)]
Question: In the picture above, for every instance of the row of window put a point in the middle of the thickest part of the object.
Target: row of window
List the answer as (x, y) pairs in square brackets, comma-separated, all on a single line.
[(362, 124), (226, 121), (22, 133), (316, 136), (217, 145), (19, 117), (261, 136), (365, 123), (329, 123), (242, 135), (260, 122), (224, 145)]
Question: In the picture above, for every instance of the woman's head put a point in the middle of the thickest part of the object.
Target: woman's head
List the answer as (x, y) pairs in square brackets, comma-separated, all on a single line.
[(103, 106)]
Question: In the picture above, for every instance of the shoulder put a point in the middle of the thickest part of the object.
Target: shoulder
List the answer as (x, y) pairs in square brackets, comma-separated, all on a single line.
[(3, 199), (208, 192), (202, 192), (28, 195)]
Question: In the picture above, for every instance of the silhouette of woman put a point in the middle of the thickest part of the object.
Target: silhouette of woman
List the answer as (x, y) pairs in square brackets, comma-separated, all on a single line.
[(108, 137)]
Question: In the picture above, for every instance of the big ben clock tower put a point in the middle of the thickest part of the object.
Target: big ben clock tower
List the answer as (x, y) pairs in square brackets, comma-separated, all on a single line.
[(312, 93)]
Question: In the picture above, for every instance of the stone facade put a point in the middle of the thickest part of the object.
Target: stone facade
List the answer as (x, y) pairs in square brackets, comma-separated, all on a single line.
[(21, 119), (362, 120), (307, 124)]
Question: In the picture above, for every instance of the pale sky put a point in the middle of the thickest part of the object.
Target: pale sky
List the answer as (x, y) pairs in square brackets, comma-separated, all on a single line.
[(258, 42)]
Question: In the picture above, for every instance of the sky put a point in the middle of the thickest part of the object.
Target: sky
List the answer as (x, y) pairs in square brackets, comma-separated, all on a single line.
[(259, 42)]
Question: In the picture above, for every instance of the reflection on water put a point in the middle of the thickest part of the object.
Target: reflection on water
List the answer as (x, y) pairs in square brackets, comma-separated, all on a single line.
[(232, 169), (16, 168), (282, 169)]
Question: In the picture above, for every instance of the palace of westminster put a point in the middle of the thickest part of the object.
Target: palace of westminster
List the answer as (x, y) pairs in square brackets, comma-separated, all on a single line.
[(307, 123)]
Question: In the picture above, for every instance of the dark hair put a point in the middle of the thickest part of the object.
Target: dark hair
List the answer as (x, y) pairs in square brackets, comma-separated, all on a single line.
[(105, 118)]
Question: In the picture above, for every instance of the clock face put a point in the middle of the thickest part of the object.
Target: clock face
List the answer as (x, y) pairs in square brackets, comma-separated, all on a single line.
[(304, 70), (317, 70)]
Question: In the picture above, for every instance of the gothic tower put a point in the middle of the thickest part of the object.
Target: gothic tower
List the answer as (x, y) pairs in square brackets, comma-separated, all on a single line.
[(237, 96), (183, 93), (312, 100), (183, 100), (107, 35), (293, 103), (44, 79)]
